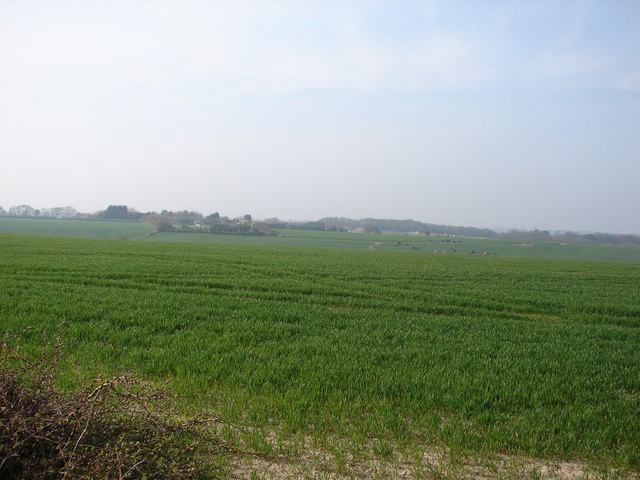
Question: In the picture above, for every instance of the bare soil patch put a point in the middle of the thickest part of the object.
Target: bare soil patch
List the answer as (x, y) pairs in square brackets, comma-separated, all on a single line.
[(374, 245), (427, 463)]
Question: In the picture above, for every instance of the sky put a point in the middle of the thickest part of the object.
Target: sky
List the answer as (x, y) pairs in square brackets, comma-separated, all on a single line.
[(500, 114)]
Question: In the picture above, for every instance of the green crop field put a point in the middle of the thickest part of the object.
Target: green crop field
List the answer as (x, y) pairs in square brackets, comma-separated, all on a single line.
[(487, 354), (412, 244), (461, 245), (76, 228), (326, 239)]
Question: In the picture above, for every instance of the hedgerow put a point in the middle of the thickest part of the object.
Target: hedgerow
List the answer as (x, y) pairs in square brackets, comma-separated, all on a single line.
[(116, 428)]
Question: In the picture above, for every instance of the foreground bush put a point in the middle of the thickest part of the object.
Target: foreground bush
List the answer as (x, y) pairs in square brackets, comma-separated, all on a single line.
[(118, 428)]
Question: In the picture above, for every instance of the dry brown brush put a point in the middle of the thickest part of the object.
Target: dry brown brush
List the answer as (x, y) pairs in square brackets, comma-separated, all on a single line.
[(117, 428)]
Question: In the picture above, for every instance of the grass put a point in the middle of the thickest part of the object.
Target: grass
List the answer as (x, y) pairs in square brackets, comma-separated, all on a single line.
[(483, 354)]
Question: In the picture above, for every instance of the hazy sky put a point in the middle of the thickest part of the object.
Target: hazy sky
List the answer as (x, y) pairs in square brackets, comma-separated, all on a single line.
[(481, 113)]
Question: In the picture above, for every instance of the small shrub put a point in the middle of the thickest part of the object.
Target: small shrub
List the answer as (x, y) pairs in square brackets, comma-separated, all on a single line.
[(118, 428)]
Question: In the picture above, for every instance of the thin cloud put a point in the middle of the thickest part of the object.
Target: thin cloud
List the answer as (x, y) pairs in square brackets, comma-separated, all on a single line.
[(303, 109), (572, 67), (629, 82), (438, 63), (230, 47)]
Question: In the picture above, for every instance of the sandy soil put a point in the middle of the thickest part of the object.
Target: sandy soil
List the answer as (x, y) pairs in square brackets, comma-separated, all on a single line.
[(429, 464)]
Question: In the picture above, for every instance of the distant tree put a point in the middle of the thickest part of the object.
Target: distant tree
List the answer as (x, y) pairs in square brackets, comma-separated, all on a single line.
[(569, 237), (56, 212), (539, 236), (187, 217), (247, 218), (407, 226), (21, 211), (314, 226), (211, 219), (275, 223), (134, 214), (69, 211), (166, 227), (116, 212), (151, 218), (260, 228)]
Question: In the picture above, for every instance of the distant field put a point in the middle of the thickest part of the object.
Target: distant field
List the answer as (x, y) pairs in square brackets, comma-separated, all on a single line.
[(488, 354), (76, 228), (285, 238), (420, 243), (320, 239)]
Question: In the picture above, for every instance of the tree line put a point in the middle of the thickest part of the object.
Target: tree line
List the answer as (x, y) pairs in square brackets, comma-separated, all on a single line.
[(50, 212), (544, 236), (408, 226), (196, 222)]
